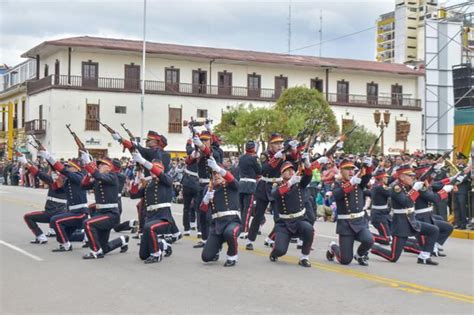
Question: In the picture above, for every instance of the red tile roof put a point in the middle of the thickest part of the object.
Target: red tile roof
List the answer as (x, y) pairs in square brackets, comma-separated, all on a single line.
[(225, 54)]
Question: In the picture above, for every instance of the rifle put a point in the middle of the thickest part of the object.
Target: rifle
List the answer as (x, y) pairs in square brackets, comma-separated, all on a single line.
[(374, 145), (130, 134), (33, 145), (79, 143), (38, 143), (330, 152), (106, 127), (429, 171)]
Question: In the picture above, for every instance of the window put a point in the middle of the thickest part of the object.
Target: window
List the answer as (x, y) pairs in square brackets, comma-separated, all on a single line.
[(281, 84), (372, 93), (199, 81), (402, 130), (3, 120), (342, 91), (317, 84), (254, 85), (172, 79), (411, 28), (412, 37), (397, 94), (22, 113), (120, 109), (92, 115), (224, 83), (46, 70), (201, 113), (15, 116), (174, 120), (90, 74)]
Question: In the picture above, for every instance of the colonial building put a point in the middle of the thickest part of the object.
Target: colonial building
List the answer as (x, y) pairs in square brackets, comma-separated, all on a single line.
[(82, 79)]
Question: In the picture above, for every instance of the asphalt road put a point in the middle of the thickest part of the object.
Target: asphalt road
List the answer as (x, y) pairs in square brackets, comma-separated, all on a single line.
[(35, 280)]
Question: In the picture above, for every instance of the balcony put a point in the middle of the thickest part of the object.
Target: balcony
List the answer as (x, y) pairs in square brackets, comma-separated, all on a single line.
[(35, 127), (200, 90)]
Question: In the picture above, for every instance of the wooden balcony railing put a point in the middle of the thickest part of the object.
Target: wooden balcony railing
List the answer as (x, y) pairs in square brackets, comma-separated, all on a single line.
[(35, 127), (214, 91)]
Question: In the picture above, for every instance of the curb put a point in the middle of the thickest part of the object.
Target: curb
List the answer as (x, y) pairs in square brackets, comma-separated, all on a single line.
[(463, 234)]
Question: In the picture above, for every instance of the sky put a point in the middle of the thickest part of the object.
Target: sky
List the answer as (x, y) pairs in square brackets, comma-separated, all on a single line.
[(259, 25)]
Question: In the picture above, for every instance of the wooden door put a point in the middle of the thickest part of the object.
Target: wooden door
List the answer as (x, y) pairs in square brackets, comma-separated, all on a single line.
[(342, 91), (224, 83), (90, 74), (172, 80), (372, 93), (199, 82), (281, 84), (254, 85), (92, 115), (397, 95), (174, 120), (132, 77), (56, 72)]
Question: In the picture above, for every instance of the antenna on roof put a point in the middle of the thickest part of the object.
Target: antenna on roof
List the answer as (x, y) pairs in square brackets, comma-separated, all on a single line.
[(289, 28)]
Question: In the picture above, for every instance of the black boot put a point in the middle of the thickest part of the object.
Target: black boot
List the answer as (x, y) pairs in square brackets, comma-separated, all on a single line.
[(229, 263), (427, 262), (61, 248), (153, 259), (168, 251), (199, 245), (249, 246), (304, 263), (85, 245), (124, 247), (361, 260), (216, 258), (92, 256), (438, 254), (273, 258)]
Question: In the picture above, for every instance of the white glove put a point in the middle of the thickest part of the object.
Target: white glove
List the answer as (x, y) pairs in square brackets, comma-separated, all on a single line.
[(278, 155), (216, 168), (305, 158), (137, 157), (197, 141), (293, 144), (340, 145), (116, 136), (44, 154), (367, 161), (294, 180), (323, 160), (418, 185), (355, 180), (438, 167), (135, 143), (208, 126), (22, 159), (460, 178), (208, 197), (448, 188), (195, 154), (85, 157)]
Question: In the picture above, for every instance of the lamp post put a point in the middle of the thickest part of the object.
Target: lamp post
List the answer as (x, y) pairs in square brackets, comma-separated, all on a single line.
[(382, 124)]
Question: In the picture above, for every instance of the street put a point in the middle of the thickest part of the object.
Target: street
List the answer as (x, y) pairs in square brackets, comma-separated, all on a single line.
[(35, 280)]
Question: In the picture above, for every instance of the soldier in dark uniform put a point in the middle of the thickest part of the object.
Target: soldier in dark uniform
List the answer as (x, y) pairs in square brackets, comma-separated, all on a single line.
[(222, 202), (200, 156), (424, 211), (439, 180), (64, 224), (461, 195), (129, 225), (290, 215), (351, 218), (106, 189), (380, 212), (56, 201), (404, 193), (249, 170), (191, 191), (157, 195)]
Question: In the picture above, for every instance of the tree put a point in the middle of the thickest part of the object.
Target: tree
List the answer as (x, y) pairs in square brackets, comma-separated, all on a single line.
[(310, 106), (360, 140)]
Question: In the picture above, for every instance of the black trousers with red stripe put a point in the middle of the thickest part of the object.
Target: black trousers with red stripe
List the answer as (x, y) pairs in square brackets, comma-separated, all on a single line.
[(190, 202), (98, 229), (426, 237), (149, 241), (259, 217), (384, 233), (214, 242), (344, 252), (64, 224), (304, 231), (246, 205), (33, 218)]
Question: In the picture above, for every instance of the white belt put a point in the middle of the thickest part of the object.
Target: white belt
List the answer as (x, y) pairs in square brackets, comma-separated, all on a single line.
[(80, 206), (272, 179), (158, 206), (225, 214), (350, 216), (418, 211), (148, 178), (204, 180), (195, 174), (106, 205), (293, 215), (57, 200), (403, 211), (119, 195), (244, 179), (383, 207)]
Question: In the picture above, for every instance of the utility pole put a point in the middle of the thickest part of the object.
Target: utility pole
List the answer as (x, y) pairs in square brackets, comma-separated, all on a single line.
[(320, 33), (289, 28), (142, 101)]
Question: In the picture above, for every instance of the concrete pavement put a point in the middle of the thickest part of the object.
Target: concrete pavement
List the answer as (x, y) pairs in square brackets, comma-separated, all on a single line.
[(35, 280)]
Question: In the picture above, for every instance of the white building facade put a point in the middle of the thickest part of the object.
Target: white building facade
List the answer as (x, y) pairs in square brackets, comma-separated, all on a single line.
[(82, 79)]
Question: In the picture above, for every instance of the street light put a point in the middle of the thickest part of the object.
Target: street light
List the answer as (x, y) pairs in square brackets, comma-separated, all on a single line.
[(382, 124)]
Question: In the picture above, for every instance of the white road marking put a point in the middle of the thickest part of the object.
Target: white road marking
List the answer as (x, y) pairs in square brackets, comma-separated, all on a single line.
[(24, 252)]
